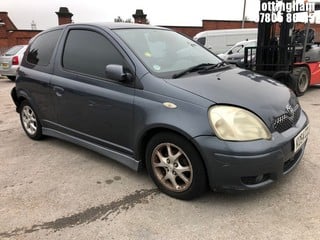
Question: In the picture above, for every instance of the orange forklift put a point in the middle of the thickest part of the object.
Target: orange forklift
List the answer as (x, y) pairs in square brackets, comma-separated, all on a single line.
[(292, 58)]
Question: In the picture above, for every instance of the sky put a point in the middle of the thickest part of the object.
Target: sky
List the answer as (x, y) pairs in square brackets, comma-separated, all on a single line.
[(164, 12)]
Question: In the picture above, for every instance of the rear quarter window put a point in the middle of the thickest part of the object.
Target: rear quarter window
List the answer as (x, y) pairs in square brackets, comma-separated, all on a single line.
[(41, 49)]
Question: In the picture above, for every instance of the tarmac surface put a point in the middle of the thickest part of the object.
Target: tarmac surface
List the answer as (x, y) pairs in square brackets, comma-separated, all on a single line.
[(52, 189)]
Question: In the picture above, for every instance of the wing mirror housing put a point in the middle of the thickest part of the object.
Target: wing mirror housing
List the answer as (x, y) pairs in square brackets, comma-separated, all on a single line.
[(118, 73)]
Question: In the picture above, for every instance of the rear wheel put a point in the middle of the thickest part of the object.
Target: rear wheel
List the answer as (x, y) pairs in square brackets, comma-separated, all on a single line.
[(29, 121), (301, 77), (175, 166)]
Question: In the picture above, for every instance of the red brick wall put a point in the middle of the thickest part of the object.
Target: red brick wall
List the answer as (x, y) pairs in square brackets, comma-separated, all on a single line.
[(22, 36), (17, 38), (10, 36), (9, 25), (189, 31), (221, 24)]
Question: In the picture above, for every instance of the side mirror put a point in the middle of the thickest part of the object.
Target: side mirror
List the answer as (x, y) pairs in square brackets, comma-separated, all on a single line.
[(117, 73)]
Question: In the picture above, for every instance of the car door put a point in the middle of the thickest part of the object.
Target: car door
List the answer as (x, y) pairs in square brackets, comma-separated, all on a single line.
[(89, 106), (35, 74)]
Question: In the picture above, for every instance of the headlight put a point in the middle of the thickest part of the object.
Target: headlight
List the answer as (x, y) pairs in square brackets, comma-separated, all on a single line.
[(237, 124)]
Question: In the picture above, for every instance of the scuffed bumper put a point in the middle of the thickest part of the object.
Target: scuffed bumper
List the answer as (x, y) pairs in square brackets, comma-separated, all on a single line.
[(250, 165)]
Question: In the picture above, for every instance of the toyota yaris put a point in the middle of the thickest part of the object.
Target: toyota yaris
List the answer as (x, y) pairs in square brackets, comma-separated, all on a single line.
[(148, 96)]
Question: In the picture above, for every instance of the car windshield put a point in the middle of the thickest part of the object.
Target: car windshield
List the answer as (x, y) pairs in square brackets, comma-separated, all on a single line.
[(12, 51), (164, 52)]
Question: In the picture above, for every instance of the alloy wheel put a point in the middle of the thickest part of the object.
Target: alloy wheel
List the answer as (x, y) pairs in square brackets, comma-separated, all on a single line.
[(29, 120), (172, 167)]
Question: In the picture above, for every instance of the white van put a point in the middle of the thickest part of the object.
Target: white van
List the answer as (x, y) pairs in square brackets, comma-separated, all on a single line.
[(219, 41)]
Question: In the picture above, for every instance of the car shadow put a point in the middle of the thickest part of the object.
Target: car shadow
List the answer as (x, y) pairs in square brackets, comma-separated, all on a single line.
[(5, 79), (89, 154), (216, 198), (313, 88)]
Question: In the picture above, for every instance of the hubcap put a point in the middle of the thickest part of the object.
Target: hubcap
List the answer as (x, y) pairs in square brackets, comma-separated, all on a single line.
[(172, 167), (29, 120)]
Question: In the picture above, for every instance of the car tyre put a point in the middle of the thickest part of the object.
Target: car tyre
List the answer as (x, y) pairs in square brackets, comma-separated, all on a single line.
[(176, 166), (12, 78), (30, 121), (302, 80)]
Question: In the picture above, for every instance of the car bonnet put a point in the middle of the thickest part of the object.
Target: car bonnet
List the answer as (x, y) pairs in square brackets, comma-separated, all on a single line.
[(261, 95)]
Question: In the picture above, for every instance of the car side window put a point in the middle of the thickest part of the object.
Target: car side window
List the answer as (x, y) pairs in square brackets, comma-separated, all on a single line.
[(89, 52), (41, 49)]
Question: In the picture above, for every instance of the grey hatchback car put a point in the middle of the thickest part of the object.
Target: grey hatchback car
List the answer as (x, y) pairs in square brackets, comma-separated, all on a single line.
[(10, 61), (148, 96)]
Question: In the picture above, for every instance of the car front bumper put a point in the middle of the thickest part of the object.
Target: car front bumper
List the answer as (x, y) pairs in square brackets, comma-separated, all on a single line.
[(250, 165)]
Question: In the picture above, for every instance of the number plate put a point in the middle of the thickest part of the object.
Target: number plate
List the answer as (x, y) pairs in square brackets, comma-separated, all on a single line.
[(301, 138), (5, 65)]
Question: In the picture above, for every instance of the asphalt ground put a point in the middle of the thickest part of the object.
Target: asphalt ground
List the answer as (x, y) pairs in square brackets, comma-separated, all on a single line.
[(52, 189)]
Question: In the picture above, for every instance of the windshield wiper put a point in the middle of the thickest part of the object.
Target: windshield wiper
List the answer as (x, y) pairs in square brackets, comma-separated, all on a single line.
[(213, 66), (201, 66)]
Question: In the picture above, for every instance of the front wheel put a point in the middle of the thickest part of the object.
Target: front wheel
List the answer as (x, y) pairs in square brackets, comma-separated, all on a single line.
[(175, 166), (301, 79), (29, 121)]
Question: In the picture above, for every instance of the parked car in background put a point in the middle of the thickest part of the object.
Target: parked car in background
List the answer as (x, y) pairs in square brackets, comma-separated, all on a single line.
[(148, 96), (10, 61), (236, 52), (219, 41)]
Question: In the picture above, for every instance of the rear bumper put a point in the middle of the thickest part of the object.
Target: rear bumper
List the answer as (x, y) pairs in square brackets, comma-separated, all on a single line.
[(250, 165), (12, 71)]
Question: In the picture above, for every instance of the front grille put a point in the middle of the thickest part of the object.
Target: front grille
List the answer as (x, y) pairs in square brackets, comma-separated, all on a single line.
[(288, 119)]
